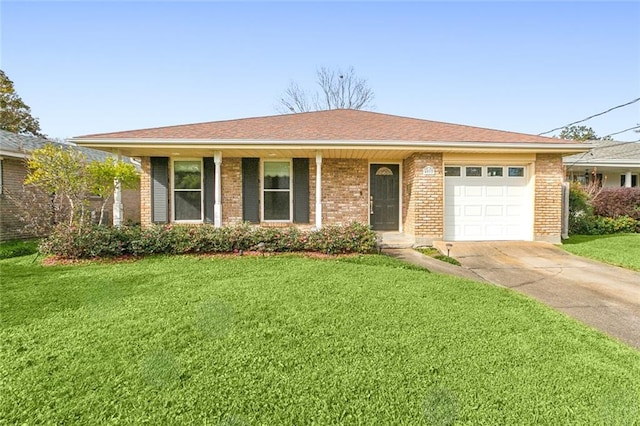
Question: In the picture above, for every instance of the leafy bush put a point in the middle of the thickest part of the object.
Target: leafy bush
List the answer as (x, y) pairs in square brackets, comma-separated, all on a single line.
[(599, 225), (611, 211), (617, 202), (101, 241), (580, 209), (17, 248)]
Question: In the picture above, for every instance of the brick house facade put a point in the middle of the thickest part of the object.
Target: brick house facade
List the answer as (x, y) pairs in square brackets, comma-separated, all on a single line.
[(429, 180)]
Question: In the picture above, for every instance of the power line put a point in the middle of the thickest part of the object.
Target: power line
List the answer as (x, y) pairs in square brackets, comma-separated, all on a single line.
[(590, 117), (622, 131)]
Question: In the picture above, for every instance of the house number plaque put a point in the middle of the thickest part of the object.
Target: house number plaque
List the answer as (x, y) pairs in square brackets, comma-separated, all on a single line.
[(428, 171)]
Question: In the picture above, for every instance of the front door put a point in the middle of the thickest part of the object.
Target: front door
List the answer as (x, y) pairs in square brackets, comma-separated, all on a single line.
[(384, 197)]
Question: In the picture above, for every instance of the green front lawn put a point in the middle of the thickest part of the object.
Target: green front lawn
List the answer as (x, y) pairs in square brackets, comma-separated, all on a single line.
[(289, 340), (616, 249)]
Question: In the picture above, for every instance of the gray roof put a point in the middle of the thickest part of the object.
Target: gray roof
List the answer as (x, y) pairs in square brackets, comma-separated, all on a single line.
[(607, 151), (21, 145)]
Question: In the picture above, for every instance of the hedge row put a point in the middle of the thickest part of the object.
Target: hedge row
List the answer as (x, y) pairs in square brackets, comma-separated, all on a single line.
[(617, 202), (611, 211), (101, 241)]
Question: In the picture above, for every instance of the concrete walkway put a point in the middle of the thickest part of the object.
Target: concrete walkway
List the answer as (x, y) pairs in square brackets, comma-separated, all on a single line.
[(602, 296)]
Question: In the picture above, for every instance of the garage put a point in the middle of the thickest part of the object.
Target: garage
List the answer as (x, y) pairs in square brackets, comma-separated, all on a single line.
[(486, 203)]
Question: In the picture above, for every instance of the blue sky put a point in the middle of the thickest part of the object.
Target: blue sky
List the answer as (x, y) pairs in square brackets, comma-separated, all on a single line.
[(88, 66)]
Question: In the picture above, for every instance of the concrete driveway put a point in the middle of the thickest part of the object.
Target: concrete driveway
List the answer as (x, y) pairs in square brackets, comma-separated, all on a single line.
[(602, 296)]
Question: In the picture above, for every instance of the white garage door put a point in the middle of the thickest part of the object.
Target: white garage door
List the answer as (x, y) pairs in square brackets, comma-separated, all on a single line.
[(484, 203)]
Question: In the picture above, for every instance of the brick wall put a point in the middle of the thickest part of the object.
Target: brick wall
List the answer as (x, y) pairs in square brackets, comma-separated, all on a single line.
[(547, 221), (423, 198), (408, 208), (344, 191), (145, 191), (231, 181)]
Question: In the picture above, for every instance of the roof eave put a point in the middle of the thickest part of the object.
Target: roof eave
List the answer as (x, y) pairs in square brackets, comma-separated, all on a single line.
[(333, 144)]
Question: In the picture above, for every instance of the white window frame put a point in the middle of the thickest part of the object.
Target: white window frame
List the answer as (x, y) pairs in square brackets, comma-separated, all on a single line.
[(173, 190), (262, 188), (1, 172)]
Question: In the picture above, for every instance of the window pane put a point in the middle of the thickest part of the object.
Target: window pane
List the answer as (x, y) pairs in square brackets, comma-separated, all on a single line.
[(276, 205), (276, 175), (474, 171), (516, 171), (494, 171), (188, 205), (187, 174), (452, 171)]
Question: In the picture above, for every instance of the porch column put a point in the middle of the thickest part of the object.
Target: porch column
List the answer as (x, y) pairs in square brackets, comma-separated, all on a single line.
[(318, 189), (217, 203), (627, 179), (118, 210)]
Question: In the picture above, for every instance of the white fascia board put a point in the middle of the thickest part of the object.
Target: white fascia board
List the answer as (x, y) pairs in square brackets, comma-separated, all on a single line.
[(345, 144), (604, 163)]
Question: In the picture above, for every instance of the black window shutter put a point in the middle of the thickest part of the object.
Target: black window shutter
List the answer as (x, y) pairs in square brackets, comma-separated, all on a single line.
[(301, 190), (251, 190), (208, 169), (159, 189)]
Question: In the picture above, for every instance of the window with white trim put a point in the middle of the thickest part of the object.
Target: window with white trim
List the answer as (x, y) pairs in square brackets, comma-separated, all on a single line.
[(187, 190), (276, 190)]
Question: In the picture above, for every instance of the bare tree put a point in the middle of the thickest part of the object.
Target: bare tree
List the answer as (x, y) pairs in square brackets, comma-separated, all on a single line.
[(338, 90)]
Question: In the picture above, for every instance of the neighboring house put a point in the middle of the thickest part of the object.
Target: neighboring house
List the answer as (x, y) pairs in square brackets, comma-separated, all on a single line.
[(429, 180), (610, 163), (14, 151)]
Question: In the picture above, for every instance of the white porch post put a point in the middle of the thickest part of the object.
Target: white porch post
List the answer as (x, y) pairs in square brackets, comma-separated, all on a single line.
[(627, 179), (318, 190), (217, 204), (118, 209)]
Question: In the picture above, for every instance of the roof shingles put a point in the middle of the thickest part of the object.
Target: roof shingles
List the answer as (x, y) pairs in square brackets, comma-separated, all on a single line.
[(331, 125)]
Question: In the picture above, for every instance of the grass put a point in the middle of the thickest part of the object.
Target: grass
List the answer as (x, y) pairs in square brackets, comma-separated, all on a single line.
[(617, 249), (435, 253), (15, 248), (289, 340)]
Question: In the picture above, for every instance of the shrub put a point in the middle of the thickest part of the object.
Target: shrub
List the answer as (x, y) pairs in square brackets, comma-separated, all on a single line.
[(580, 210), (617, 202), (599, 225), (101, 241), (9, 249)]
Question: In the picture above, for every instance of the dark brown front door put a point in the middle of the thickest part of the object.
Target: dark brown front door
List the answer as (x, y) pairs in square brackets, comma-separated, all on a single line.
[(384, 196)]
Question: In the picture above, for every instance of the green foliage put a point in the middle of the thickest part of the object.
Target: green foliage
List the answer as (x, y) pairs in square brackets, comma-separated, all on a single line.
[(17, 248), (101, 241), (616, 249), (599, 225), (103, 174), (581, 133), (583, 221), (435, 253), (65, 173), (616, 202), (445, 258), (288, 340), (15, 115)]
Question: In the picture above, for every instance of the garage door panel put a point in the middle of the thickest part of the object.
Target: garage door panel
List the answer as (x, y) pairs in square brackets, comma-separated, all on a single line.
[(473, 211), (473, 191), (473, 230), (515, 191), (514, 210), (487, 208), (495, 191), (494, 230), (495, 211)]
